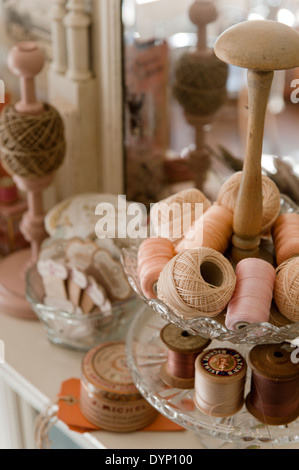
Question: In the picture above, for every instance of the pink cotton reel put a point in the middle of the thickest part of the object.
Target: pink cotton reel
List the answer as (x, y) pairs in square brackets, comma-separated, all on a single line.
[(153, 255), (253, 295)]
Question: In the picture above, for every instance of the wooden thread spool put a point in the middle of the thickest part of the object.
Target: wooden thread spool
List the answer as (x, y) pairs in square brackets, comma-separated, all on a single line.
[(220, 376), (274, 395), (261, 46), (198, 282), (285, 234), (228, 196), (183, 349), (153, 255), (286, 289), (213, 229), (172, 217), (108, 396)]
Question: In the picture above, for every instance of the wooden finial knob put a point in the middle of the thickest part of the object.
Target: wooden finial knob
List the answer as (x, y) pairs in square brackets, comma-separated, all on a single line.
[(26, 60), (201, 13), (262, 45)]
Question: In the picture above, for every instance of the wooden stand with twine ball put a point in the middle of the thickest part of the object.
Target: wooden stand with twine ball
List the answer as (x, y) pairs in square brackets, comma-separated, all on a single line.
[(200, 86), (32, 147)]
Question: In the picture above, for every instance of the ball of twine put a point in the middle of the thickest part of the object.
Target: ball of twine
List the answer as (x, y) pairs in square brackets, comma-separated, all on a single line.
[(198, 282), (173, 216), (200, 83), (286, 289), (31, 146), (229, 191)]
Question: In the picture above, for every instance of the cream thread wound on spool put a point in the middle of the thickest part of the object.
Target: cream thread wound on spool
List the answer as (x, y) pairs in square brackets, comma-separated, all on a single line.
[(220, 376), (274, 394), (286, 289), (182, 350), (31, 145), (253, 295), (213, 229), (285, 234), (228, 194), (198, 282), (172, 217), (153, 255), (108, 397)]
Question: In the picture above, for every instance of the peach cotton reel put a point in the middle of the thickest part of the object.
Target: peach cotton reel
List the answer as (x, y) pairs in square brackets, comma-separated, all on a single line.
[(197, 283), (229, 191), (286, 290), (285, 234), (253, 295), (153, 255), (214, 229)]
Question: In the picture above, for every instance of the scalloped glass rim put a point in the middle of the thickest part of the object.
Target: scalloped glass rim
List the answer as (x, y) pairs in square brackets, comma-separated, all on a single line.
[(255, 333), (145, 355)]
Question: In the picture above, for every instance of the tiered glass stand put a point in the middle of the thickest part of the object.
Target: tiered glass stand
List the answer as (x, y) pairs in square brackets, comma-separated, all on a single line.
[(146, 354)]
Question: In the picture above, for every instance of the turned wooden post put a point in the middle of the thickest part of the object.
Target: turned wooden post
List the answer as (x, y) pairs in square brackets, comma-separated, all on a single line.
[(262, 47)]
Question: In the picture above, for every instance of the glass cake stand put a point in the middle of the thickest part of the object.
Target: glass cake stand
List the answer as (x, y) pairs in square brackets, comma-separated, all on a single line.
[(145, 355), (277, 330)]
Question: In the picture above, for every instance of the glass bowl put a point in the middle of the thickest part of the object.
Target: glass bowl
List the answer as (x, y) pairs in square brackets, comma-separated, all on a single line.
[(79, 331), (276, 330)]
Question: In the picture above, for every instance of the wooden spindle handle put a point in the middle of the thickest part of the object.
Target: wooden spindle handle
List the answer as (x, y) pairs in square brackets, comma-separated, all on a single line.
[(262, 47)]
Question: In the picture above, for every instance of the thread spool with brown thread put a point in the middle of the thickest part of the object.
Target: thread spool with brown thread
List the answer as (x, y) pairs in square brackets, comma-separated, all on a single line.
[(220, 377), (274, 395), (183, 349), (285, 234)]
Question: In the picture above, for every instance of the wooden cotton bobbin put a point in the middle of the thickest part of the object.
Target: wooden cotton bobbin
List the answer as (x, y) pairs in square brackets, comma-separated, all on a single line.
[(108, 397), (195, 283), (183, 349), (220, 376), (274, 395), (286, 289)]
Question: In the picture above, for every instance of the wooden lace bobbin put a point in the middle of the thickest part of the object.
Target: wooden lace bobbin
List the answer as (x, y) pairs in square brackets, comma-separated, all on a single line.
[(285, 234), (214, 229), (32, 149), (261, 47), (183, 349), (200, 86), (153, 255), (286, 289), (228, 196), (108, 396), (274, 395), (195, 283), (172, 217), (220, 376)]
